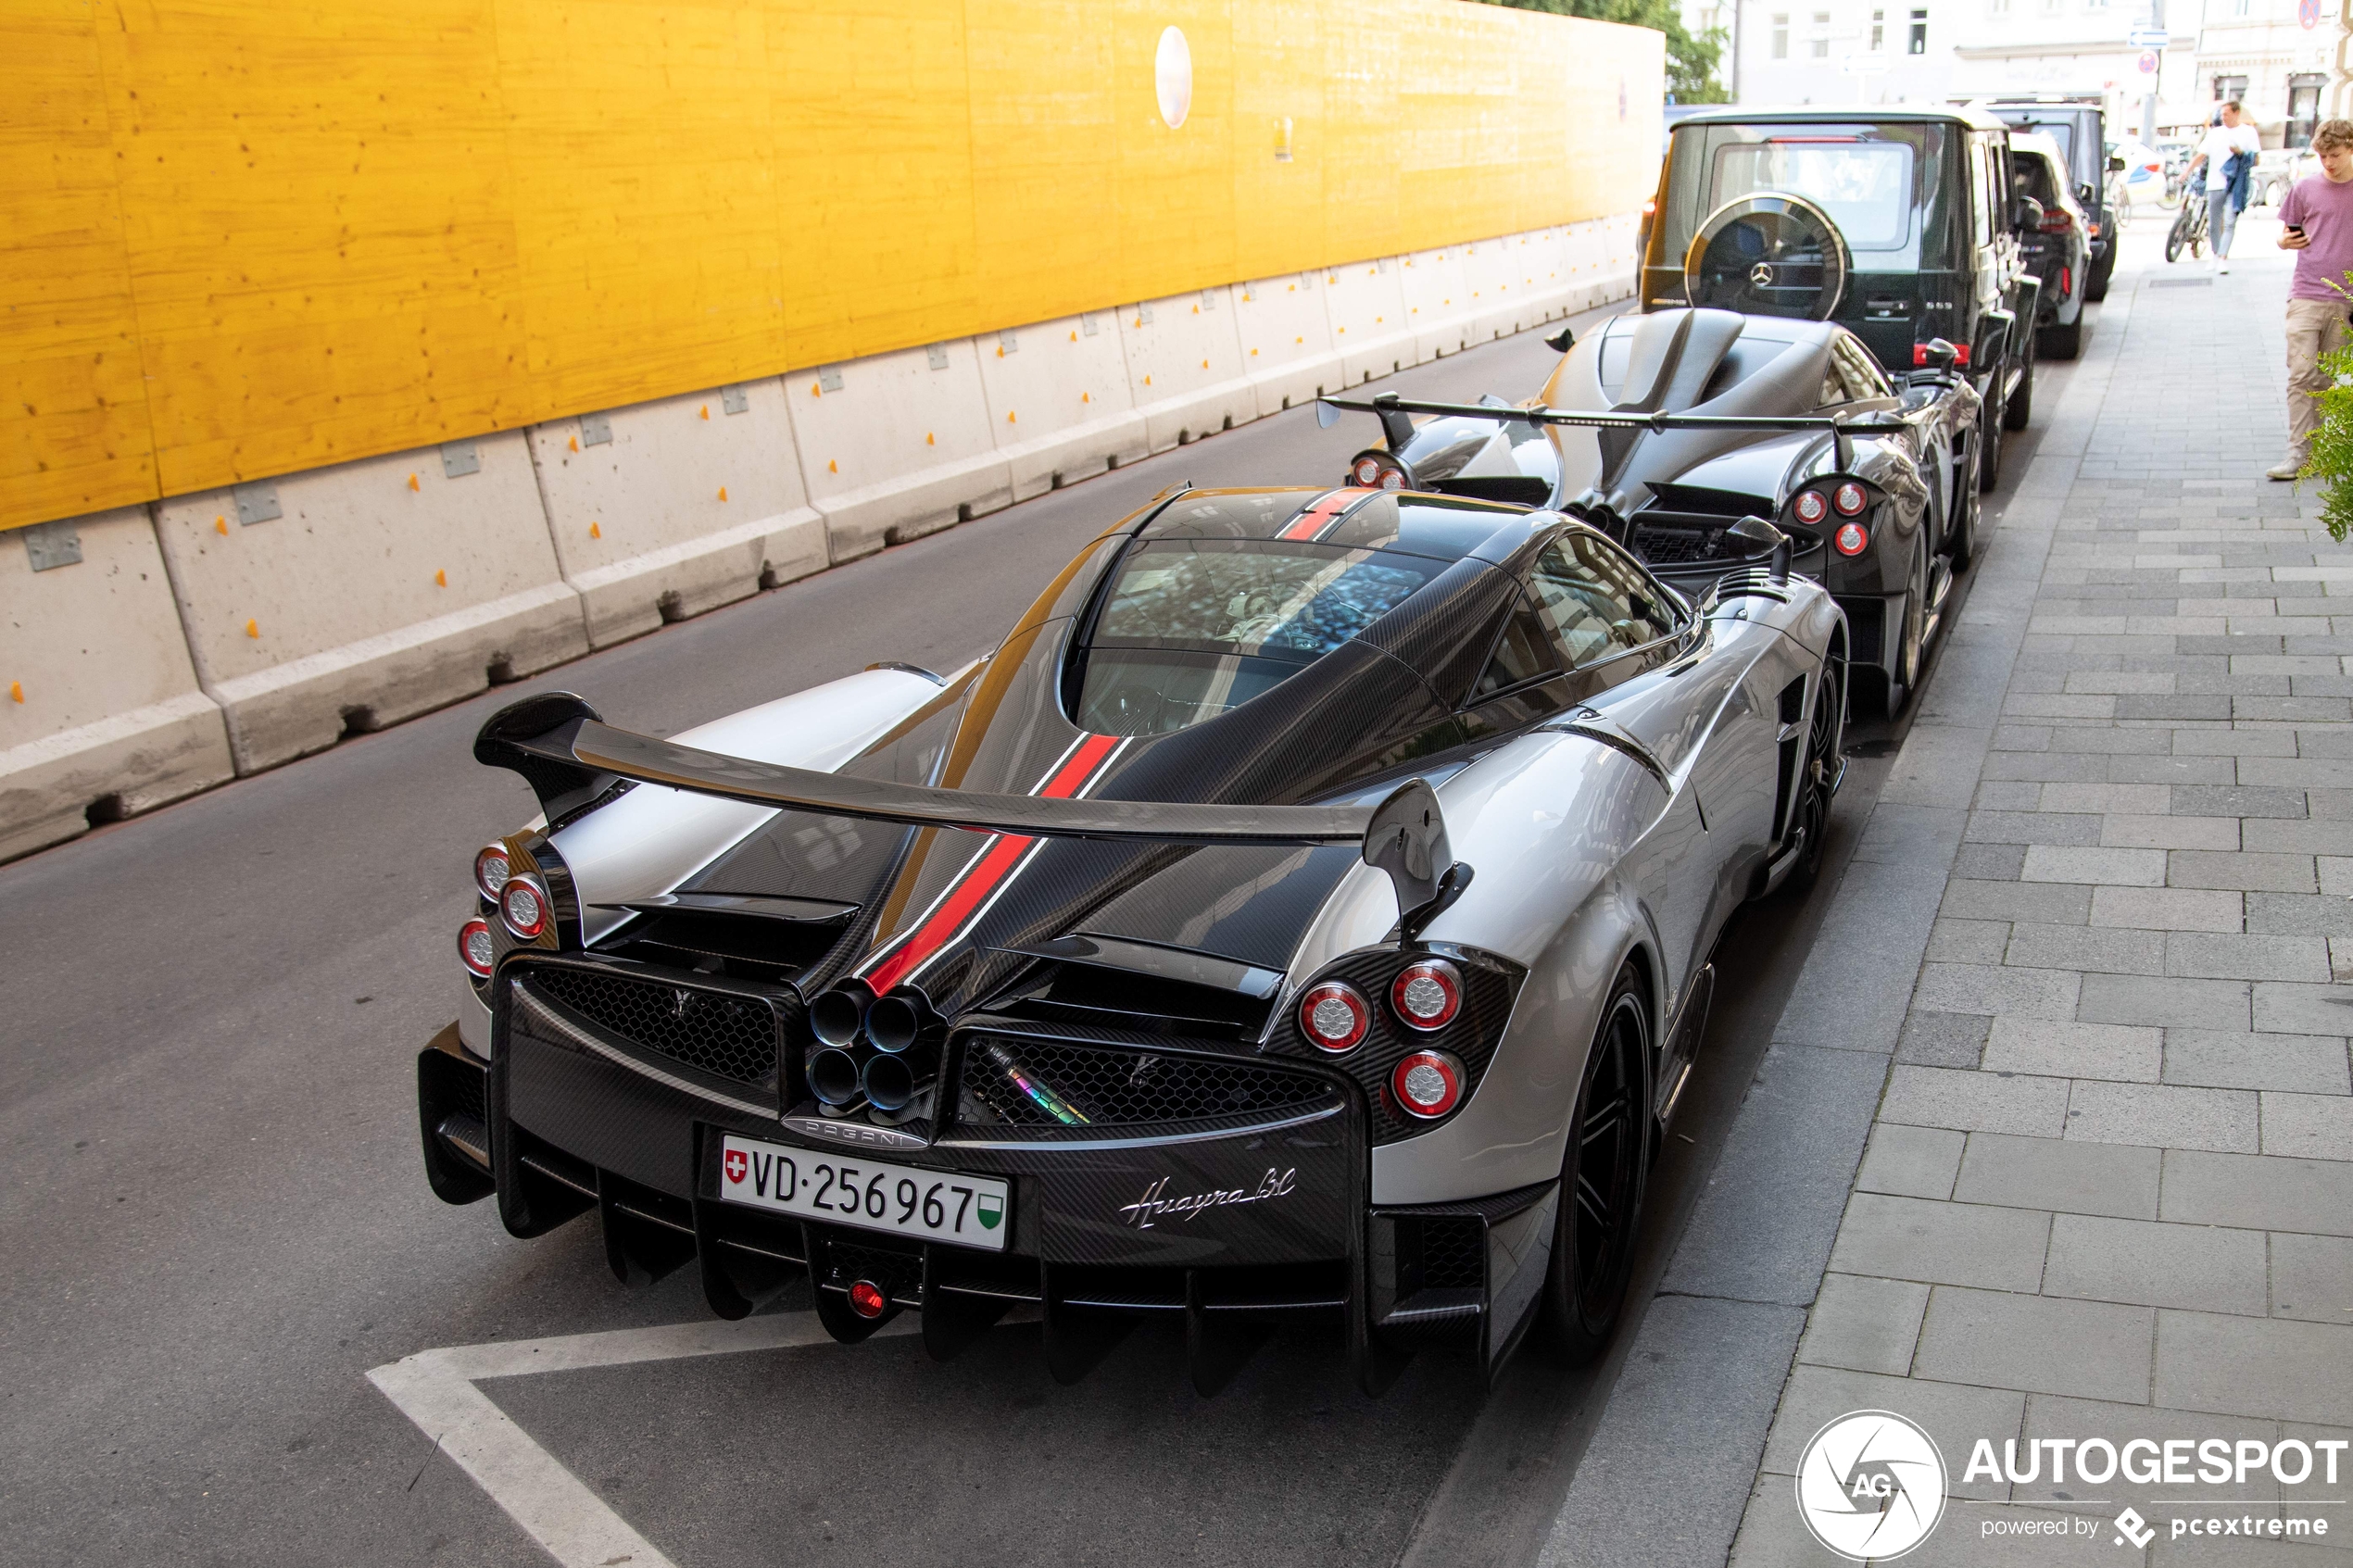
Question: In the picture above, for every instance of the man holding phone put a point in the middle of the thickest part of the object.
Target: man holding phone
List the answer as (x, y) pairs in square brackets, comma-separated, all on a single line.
[(2317, 223)]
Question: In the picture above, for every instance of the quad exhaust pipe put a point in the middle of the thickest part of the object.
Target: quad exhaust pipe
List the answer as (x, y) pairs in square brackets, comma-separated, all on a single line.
[(883, 1047)]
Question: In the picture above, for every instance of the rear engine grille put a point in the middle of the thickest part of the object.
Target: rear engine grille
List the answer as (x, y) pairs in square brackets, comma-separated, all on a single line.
[(1077, 993), (1665, 541), (1012, 1081), (742, 947), (1453, 1253), (729, 1036)]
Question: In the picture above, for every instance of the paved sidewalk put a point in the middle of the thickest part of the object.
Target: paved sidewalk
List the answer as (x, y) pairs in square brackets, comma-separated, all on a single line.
[(2109, 1188)]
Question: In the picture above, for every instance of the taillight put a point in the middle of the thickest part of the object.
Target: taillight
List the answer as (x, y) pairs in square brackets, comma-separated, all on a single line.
[(1850, 500), (1366, 471), (1426, 995), (1427, 1084), (1810, 507), (2067, 279), (867, 1300), (2058, 220), (475, 948), (1334, 1017), (491, 871), (1375, 471), (523, 906), (1852, 539)]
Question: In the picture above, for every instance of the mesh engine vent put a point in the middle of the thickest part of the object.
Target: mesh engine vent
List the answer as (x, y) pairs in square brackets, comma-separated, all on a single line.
[(1013, 1081), (729, 1036), (1453, 1253)]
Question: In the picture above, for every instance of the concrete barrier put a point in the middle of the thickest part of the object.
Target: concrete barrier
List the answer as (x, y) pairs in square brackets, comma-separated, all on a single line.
[(343, 598), (100, 714), (1372, 326), (897, 445), (665, 510), (1184, 366), (1437, 301), (1496, 304), (1286, 336), (1059, 406)]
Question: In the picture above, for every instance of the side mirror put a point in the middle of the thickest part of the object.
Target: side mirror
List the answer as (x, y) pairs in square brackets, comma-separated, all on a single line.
[(2116, 163), (2088, 194), (2026, 213), (1937, 354), (1326, 415), (1754, 530), (1562, 341)]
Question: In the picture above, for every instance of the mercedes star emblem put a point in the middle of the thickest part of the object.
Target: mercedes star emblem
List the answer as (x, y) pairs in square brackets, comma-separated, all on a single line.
[(1761, 274)]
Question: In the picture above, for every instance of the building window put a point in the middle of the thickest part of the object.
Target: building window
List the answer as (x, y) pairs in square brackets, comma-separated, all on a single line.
[(2240, 7), (1920, 34), (1780, 35), (2230, 88), (1998, 8), (1879, 30), (2303, 109), (1820, 44)]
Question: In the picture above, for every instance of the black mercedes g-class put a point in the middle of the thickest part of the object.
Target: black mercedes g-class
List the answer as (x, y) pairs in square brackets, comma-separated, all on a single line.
[(2078, 125), (1897, 223)]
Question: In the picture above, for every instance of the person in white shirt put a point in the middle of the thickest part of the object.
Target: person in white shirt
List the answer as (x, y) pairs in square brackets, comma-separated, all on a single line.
[(2233, 136)]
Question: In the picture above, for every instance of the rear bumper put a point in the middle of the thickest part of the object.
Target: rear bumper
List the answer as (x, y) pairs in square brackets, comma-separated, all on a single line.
[(565, 1118)]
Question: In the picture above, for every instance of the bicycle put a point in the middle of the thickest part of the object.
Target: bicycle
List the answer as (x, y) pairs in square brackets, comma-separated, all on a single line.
[(2188, 231)]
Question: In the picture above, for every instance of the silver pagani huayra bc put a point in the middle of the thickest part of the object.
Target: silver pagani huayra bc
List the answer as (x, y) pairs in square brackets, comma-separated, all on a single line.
[(1304, 914)]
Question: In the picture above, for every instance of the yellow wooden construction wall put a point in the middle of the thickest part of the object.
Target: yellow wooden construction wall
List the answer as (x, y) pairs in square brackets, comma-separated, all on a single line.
[(245, 238)]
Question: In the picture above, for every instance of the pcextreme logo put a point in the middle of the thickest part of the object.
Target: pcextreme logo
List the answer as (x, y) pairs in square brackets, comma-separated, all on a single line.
[(1871, 1486)]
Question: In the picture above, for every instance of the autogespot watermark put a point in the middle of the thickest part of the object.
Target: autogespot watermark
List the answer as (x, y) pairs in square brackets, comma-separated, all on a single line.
[(1871, 1485)]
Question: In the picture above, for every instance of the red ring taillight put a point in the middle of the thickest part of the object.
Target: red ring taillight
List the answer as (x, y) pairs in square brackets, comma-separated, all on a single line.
[(1811, 505), (1366, 471), (1427, 994), (1427, 1084), (477, 950), (523, 904), (1852, 539), (1334, 1017), (1849, 499), (867, 1300), (491, 868)]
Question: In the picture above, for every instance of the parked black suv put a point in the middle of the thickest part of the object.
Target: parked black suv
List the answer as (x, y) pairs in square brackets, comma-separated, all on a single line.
[(2080, 127), (1926, 237)]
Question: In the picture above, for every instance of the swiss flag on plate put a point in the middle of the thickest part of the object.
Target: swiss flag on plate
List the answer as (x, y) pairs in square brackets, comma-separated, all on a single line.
[(738, 1165)]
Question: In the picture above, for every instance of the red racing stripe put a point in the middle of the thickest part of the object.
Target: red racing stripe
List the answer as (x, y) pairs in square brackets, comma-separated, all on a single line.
[(1321, 513), (989, 871)]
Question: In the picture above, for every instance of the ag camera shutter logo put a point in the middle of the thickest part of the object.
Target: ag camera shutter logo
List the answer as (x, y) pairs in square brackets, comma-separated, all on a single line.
[(1871, 1486)]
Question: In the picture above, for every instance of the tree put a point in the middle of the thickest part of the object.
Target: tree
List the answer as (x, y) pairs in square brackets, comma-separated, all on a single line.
[(1690, 61)]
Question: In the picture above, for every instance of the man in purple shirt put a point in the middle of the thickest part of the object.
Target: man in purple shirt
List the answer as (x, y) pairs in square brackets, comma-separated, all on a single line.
[(2316, 222)]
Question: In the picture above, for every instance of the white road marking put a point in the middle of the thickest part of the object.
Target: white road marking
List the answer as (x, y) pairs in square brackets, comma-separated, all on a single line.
[(436, 1390)]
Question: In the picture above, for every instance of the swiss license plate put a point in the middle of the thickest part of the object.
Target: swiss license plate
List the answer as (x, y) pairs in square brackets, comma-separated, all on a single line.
[(814, 1184)]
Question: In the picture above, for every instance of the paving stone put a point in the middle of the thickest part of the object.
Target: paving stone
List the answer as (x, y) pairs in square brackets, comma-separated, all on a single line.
[(2197, 1004), (2076, 1178), (1971, 941), (2202, 868), (2236, 800), (1863, 1324), (2039, 1344), (1911, 1162), (2123, 832), (2165, 908), (2156, 1265), (2162, 1116), (2254, 1367), (2144, 799), (1941, 1243), (1954, 1414), (2120, 1422), (2192, 1551), (2312, 1278), (2314, 1195), (2111, 868), (2336, 873), (2050, 904), (1997, 990), (2058, 1048), (2287, 1008), (1943, 1039), (2297, 772), (1988, 862), (2111, 949), (2314, 914), (2239, 1060), (2228, 955), (2307, 1126)]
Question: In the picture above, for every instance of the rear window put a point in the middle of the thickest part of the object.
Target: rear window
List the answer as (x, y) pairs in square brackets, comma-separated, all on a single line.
[(1194, 628), (2059, 128), (1882, 185)]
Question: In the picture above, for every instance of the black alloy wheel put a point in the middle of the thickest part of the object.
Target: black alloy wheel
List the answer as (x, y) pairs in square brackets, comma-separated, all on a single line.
[(1895, 685), (1816, 775), (2021, 406), (1603, 1177), (1961, 541), (2060, 340), (2095, 287)]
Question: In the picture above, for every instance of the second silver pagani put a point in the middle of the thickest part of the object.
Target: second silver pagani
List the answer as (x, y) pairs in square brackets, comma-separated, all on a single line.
[(1304, 911)]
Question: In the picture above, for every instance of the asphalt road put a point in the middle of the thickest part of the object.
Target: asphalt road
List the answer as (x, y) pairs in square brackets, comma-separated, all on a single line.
[(218, 1223)]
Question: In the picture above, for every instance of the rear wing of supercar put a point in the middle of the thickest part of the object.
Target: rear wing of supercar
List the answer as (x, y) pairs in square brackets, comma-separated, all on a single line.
[(1390, 408), (569, 758)]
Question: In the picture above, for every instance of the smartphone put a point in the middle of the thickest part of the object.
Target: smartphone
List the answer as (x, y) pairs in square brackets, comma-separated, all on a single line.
[(2297, 229)]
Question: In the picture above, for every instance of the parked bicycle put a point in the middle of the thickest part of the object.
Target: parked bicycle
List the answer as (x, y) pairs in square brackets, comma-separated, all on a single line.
[(2188, 231)]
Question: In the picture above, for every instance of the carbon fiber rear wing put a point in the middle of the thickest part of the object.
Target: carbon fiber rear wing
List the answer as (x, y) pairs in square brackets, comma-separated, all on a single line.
[(556, 742), (1388, 403)]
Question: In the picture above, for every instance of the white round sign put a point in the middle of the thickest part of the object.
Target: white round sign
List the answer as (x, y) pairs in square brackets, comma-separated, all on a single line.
[(1173, 76), (1871, 1486)]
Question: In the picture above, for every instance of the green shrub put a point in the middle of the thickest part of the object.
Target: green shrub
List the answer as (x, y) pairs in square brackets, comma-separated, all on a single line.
[(2332, 460)]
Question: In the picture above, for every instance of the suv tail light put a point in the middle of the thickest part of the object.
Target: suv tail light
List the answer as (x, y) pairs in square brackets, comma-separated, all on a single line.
[(2058, 220)]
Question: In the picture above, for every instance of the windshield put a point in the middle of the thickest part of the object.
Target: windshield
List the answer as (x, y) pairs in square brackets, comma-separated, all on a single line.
[(1880, 183), (2061, 130), (1195, 628)]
